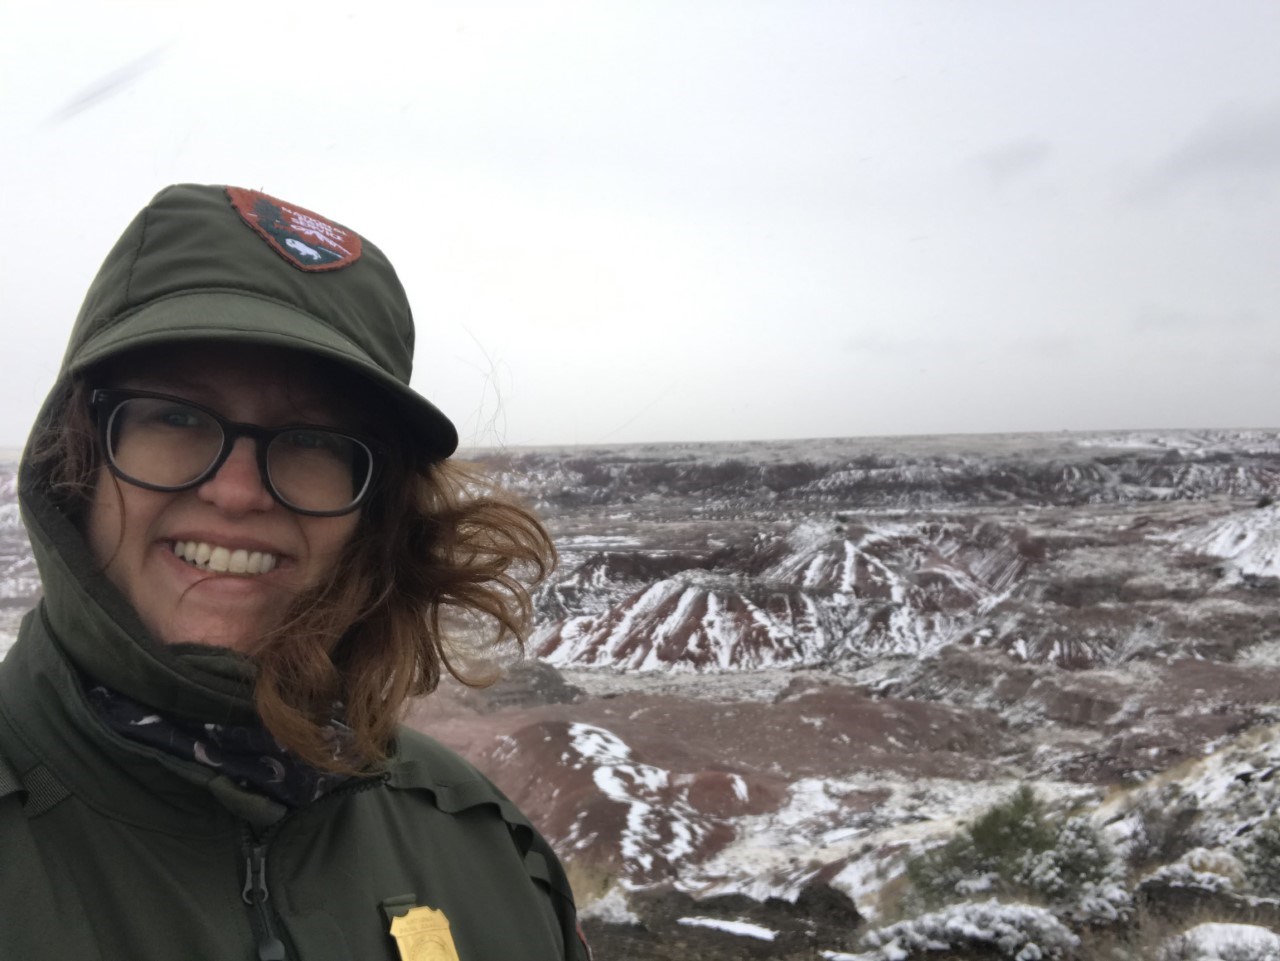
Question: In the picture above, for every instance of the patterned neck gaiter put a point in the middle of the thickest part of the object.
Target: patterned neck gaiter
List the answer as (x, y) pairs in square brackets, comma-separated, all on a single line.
[(247, 754)]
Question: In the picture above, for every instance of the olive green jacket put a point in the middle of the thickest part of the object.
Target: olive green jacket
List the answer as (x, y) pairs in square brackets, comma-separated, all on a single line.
[(114, 851)]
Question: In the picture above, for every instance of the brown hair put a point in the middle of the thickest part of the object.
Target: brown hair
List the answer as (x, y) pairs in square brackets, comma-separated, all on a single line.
[(434, 575)]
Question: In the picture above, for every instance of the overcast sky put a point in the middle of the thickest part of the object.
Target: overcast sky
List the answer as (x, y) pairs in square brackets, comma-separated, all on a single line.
[(702, 220)]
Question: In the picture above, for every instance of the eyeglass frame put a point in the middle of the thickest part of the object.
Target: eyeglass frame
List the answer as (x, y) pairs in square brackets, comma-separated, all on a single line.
[(111, 398)]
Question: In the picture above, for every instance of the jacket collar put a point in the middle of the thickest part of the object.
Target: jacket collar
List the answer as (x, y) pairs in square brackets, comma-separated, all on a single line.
[(53, 727)]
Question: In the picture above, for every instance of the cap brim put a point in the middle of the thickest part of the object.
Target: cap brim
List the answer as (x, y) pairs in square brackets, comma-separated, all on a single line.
[(245, 318)]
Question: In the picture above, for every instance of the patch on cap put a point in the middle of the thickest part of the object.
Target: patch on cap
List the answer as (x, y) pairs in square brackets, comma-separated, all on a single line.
[(305, 239)]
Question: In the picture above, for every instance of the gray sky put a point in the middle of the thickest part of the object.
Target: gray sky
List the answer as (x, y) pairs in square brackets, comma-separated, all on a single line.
[(703, 220)]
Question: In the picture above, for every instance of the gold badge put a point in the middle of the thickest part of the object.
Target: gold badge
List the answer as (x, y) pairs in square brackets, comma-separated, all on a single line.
[(422, 934)]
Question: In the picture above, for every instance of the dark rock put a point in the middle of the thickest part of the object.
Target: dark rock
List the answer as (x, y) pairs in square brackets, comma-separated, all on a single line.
[(526, 684), (820, 918)]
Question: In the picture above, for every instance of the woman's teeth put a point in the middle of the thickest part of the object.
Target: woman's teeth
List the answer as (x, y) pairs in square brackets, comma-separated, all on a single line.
[(223, 560)]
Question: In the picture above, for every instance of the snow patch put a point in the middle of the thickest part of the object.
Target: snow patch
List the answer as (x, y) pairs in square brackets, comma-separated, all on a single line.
[(661, 828), (611, 908), (1018, 931), (741, 928), (1222, 942), (826, 820), (1250, 540)]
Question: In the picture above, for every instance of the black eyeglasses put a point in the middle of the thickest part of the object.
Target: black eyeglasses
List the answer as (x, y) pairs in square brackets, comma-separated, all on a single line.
[(165, 443)]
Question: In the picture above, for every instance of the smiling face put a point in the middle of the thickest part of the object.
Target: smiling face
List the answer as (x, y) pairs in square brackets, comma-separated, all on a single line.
[(219, 564)]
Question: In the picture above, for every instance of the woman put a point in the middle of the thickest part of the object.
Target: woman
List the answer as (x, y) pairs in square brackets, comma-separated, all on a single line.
[(250, 541)]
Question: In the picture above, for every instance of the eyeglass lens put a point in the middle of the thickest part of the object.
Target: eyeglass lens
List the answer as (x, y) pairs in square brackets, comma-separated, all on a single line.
[(168, 444)]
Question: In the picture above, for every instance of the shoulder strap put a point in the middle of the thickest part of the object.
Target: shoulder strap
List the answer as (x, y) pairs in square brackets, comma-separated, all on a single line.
[(41, 788)]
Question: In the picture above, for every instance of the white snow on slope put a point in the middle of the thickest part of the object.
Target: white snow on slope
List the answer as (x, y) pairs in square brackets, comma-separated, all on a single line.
[(661, 829), (1250, 540), (825, 820), (681, 624), (1233, 790), (741, 928), (1211, 942), (595, 542), (1187, 441), (1017, 931), (885, 589), (612, 908), (19, 580)]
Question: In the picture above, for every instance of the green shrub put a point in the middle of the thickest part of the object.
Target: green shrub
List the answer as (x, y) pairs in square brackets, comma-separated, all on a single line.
[(1166, 828), (1008, 830), (1262, 858), (1078, 858), (986, 855), (1015, 849)]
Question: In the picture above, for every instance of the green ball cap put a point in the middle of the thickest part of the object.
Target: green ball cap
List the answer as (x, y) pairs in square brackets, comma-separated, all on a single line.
[(203, 263)]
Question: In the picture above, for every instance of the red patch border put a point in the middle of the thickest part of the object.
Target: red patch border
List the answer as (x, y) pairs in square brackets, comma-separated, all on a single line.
[(243, 201)]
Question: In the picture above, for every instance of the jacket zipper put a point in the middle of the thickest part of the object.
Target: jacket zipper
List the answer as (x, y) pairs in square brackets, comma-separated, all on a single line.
[(255, 892)]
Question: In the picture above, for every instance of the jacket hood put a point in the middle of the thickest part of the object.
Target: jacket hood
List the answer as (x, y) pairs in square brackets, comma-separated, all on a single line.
[(212, 263), (102, 636)]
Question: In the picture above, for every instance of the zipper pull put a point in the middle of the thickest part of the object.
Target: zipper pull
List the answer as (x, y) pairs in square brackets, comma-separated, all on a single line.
[(255, 892), (255, 877)]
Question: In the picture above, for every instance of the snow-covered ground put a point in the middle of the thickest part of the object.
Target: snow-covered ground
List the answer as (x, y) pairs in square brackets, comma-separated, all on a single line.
[(742, 929), (1017, 931), (19, 582), (1222, 942), (774, 854), (1248, 539)]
